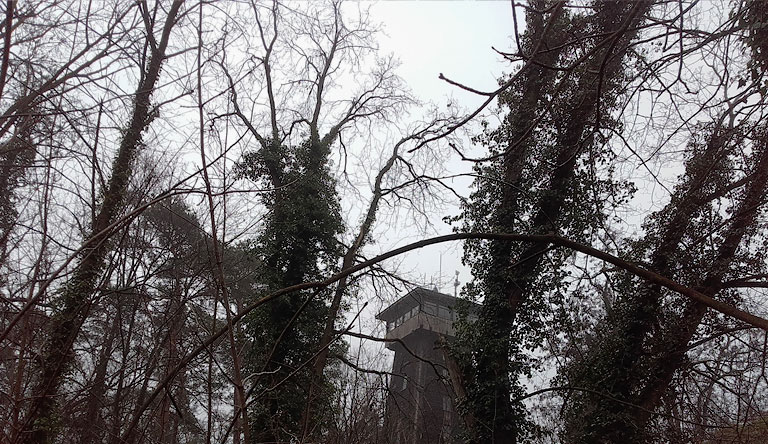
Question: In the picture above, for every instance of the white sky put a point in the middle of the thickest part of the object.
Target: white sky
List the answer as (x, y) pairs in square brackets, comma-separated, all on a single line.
[(455, 38)]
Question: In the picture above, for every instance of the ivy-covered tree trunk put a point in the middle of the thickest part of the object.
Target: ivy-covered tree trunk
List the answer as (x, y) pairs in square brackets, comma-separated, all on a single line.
[(508, 318), (638, 349), (77, 297), (679, 332), (299, 241), (615, 363), (491, 384)]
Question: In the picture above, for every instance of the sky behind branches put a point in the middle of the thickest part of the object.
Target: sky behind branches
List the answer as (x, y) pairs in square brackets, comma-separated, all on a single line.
[(433, 37)]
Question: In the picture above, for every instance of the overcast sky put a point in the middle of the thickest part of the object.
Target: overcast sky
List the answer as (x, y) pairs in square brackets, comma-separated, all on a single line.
[(452, 37)]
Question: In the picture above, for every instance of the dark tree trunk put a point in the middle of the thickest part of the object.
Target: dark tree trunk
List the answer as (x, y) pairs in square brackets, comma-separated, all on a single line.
[(678, 335), (92, 427), (511, 276)]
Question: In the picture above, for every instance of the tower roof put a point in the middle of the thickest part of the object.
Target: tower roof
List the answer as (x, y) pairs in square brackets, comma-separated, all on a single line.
[(413, 298)]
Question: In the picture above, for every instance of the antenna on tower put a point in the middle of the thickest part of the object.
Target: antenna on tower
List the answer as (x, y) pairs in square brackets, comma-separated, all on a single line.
[(440, 273), (456, 284)]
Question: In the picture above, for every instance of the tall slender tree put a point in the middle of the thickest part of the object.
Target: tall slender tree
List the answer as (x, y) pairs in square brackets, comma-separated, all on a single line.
[(300, 237), (536, 185)]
